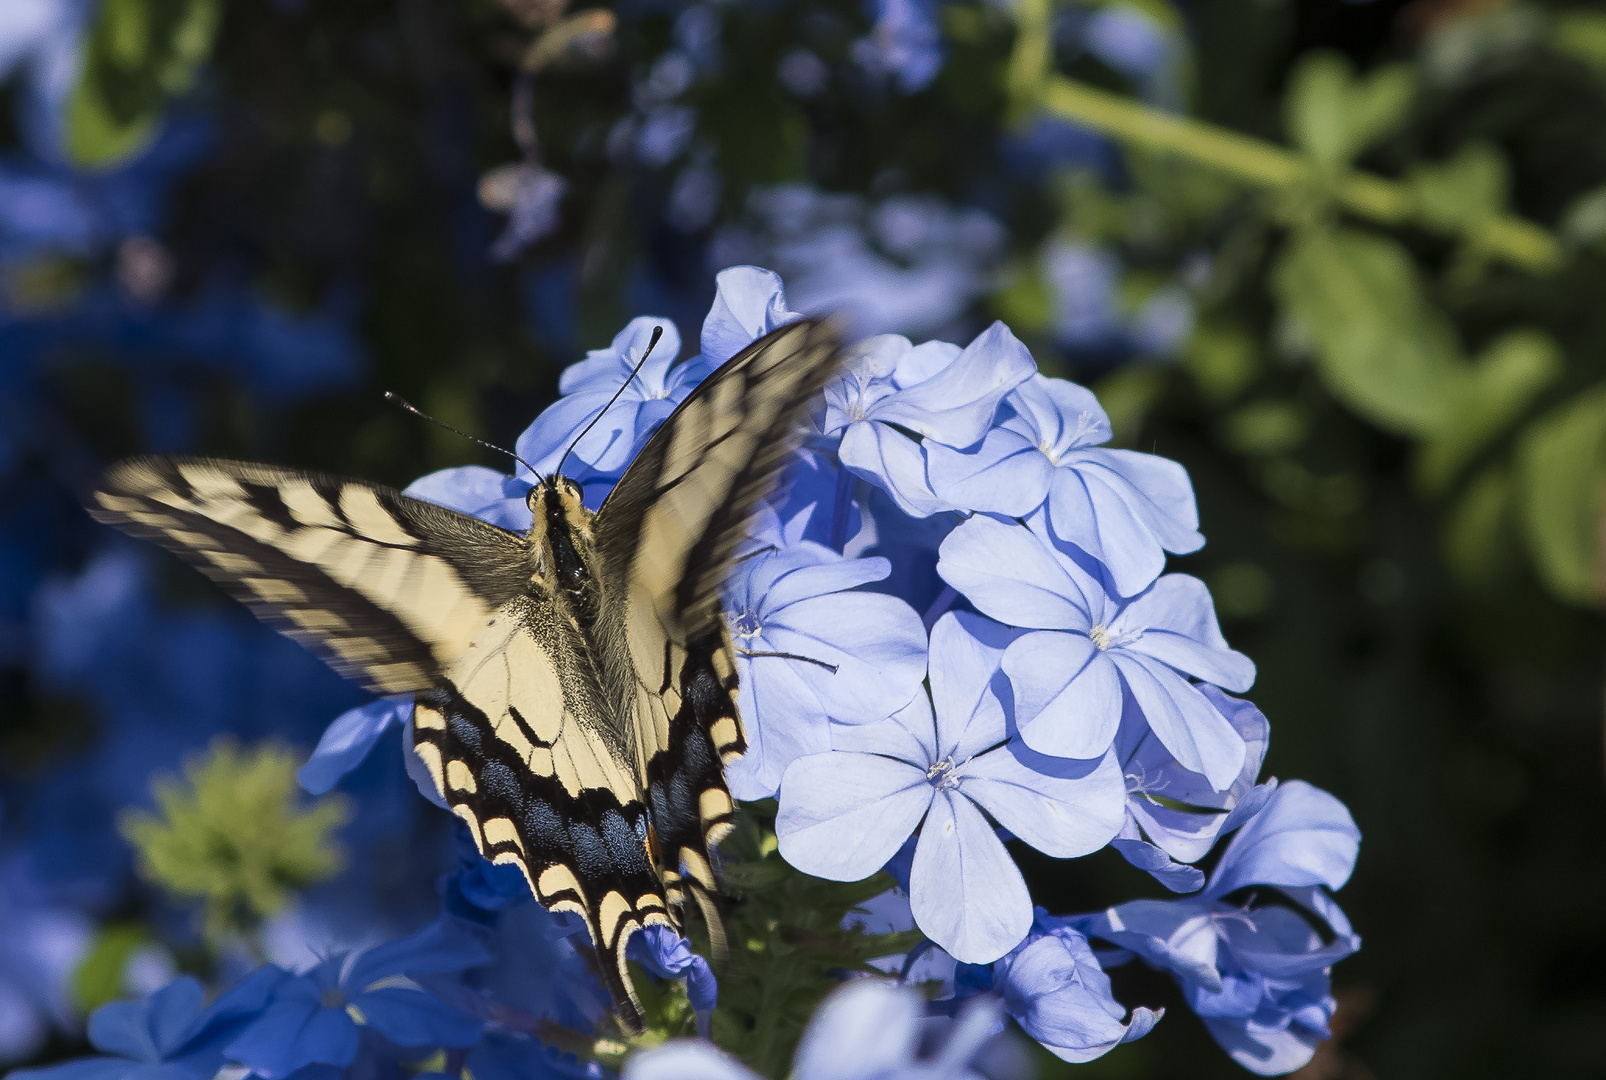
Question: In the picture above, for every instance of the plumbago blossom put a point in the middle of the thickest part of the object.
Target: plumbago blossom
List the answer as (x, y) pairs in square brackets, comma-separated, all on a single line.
[(953, 632)]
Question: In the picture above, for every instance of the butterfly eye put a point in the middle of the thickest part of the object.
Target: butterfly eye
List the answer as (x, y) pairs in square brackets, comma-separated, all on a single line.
[(572, 487)]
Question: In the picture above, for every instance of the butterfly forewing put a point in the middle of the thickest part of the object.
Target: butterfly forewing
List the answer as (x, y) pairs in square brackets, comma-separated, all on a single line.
[(387, 588)]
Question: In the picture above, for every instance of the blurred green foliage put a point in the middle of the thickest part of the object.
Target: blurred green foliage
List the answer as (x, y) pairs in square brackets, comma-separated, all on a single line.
[(233, 836)]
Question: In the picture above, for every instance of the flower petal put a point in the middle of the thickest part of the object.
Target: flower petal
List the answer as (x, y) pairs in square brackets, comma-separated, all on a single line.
[(867, 1029), (1003, 474), (843, 815), (349, 738), (956, 406), (1178, 623), (1067, 694), (964, 890), (1062, 808), (686, 1059), (410, 1017), (1198, 736), (1012, 576), (473, 489), (749, 302), (893, 462), (965, 653), (1303, 836)]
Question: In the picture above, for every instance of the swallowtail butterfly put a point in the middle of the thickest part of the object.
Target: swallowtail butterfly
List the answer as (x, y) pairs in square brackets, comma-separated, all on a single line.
[(574, 688)]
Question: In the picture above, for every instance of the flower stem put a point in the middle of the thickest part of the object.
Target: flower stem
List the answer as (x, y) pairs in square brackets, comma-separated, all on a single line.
[(1244, 158)]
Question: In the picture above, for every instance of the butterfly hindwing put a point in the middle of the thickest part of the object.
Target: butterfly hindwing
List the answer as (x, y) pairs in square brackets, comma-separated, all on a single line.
[(388, 589)]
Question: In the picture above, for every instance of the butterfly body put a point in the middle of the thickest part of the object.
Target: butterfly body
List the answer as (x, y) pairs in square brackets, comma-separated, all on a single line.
[(575, 693)]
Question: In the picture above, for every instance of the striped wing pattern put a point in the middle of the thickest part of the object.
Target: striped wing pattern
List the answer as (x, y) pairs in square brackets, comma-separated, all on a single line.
[(666, 536), (388, 589)]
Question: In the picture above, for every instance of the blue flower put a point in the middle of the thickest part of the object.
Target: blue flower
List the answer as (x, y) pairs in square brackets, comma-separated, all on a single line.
[(810, 650), (1124, 508), (749, 302), (168, 1036), (348, 740), (1256, 970), (1085, 645), (869, 1029), (313, 1019), (669, 956), (588, 386), (1053, 986), (1173, 816), (478, 491), (905, 44), (941, 393), (936, 765)]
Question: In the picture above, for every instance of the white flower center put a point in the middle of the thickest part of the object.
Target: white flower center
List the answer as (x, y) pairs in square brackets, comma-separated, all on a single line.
[(1100, 636), (941, 775), (747, 625)]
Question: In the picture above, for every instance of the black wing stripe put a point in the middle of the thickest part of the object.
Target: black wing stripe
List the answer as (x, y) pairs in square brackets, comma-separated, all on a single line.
[(356, 637), (385, 587), (582, 852)]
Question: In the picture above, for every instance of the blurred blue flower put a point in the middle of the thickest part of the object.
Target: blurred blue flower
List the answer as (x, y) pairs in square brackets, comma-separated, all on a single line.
[(650, 396), (1256, 970), (941, 393), (869, 1029), (530, 196), (1124, 508), (1055, 989), (909, 264), (168, 1036), (1173, 816), (313, 1019), (936, 765), (41, 946), (1085, 645), (749, 302), (669, 956), (1089, 318), (905, 45), (810, 650)]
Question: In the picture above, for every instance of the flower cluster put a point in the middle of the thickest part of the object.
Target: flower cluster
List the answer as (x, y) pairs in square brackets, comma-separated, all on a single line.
[(953, 631)]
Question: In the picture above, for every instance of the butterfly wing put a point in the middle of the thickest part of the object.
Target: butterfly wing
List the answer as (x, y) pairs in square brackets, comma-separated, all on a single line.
[(666, 537), (390, 590)]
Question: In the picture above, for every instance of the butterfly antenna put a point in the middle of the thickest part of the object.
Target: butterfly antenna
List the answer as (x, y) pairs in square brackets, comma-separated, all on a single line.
[(397, 399), (657, 332)]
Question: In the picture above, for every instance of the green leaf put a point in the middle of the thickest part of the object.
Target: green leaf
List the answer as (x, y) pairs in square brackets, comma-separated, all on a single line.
[(1507, 377), (1332, 116), (140, 54), (1382, 349), (99, 977), (1477, 533), (1560, 474), (1581, 34), (1266, 427), (1464, 192), (1223, 360)]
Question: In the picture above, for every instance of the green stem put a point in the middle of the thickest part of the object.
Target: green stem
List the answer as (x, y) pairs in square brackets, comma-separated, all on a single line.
[(1245, 158)]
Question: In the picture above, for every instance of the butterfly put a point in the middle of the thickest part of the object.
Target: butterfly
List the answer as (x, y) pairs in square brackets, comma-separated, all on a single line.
[(574, 688)]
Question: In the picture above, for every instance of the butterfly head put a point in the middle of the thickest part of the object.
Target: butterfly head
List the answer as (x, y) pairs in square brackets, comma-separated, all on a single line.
[(561, 528)]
